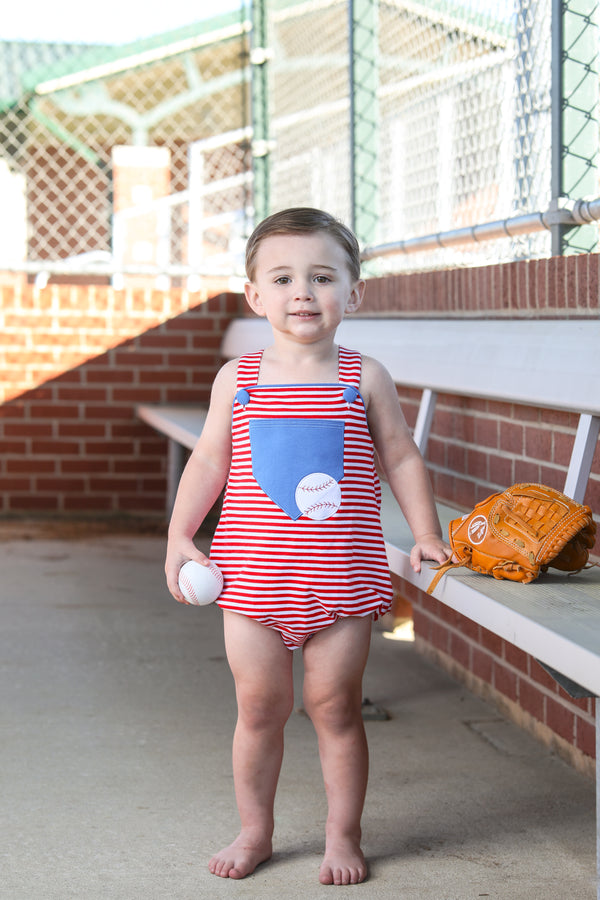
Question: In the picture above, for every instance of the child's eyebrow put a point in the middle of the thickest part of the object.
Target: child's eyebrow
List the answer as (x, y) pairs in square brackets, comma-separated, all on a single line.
[(315, 266)]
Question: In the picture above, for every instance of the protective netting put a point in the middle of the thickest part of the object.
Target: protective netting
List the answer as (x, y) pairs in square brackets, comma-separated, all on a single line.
[(136, 156), (309, 102), (463, 109)]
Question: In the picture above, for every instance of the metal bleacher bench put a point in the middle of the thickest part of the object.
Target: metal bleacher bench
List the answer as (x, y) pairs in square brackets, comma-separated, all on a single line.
[(550, 364)]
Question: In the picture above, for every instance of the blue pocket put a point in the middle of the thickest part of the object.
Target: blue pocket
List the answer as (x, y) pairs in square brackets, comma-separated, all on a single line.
[(286, 450)]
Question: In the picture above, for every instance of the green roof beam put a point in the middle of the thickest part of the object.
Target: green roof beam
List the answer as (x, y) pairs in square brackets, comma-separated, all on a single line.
[(65, 137)]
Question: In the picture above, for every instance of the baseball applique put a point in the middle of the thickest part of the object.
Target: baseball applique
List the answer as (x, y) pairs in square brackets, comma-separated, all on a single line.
[(318, 495), (299, 458)]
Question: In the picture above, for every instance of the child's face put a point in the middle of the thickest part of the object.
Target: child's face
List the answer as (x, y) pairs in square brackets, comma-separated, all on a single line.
[(302, 284)]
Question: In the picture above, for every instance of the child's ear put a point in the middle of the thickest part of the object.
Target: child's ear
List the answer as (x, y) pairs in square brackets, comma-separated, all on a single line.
[(356, 296), (253, 299)]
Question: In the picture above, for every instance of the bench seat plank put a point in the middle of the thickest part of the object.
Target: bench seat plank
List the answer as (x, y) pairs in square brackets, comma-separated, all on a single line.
[(555, 618), (182, 424)]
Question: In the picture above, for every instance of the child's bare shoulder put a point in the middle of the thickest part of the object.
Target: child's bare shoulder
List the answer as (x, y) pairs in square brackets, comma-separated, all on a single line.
[(375, 378), (227, 374), (380, 396), (224, 385)]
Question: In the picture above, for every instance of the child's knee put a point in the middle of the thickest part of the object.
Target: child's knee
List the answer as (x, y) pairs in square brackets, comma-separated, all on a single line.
[(264, 711), (335, 711)]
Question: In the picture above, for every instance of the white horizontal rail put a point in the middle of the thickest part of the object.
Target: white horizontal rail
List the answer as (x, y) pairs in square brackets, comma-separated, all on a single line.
[(579, 212)]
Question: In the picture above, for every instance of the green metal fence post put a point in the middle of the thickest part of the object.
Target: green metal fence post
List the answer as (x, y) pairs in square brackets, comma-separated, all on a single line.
[(261, 148), (363, 21), (575, 123)]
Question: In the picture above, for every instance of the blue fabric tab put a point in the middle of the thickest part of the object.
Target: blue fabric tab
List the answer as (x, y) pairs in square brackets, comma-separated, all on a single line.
[(242, 397), (350, 395)]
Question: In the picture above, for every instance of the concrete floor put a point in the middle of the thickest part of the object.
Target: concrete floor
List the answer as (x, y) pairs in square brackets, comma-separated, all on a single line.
[(117, 716)]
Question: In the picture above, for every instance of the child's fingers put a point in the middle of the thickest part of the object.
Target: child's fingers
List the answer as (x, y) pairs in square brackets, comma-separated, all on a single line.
[(443, 554), (173, 585), (415, 558), (439, 553), (175, 560), (199, 557)]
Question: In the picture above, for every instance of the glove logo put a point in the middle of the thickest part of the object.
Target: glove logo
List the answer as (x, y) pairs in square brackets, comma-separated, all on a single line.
[(477, 529)]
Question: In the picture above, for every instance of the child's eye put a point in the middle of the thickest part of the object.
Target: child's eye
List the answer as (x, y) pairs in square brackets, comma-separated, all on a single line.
[(322, 279), (283, 279)]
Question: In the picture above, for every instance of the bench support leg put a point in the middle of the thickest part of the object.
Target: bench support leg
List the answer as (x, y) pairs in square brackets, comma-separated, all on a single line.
[(424, 419), (582, 456), (175, 463)]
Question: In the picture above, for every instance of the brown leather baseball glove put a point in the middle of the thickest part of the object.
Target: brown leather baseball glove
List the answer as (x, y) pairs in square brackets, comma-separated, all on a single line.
[(520, 532)]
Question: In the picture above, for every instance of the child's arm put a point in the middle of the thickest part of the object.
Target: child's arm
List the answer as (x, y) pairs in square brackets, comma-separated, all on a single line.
[(202, 480), (402, 463)]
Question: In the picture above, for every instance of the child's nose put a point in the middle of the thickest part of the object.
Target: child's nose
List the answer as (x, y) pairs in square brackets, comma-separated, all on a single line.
[(304, 291)]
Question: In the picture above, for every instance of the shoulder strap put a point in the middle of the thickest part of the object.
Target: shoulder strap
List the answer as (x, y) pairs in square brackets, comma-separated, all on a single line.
[(350, 365), (248, 369)]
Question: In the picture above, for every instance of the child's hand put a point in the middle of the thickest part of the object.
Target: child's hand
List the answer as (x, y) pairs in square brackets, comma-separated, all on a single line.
[(430, 546), (178, 553)]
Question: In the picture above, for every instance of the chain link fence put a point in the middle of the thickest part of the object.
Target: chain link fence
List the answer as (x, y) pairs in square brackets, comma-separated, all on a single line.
[(577, 144), (309, 104), (466, 133), (135, 158), (405, 119)]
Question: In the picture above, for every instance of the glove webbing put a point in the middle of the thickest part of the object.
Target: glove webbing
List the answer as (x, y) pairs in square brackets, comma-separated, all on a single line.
[(538, 520)]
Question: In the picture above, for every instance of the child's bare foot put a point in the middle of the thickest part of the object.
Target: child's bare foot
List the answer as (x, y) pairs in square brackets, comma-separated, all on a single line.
[(241, 858), (343, 863)]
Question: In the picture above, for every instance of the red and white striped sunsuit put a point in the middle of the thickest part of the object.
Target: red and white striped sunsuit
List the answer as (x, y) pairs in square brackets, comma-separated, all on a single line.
[(291, 564)]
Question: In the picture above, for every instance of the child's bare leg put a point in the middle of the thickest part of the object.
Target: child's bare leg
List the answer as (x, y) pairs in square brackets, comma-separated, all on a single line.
[(334, 662), (262, 669)]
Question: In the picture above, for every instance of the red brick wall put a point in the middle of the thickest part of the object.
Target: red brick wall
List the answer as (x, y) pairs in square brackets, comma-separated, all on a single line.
[(72, 445), (46, 332), (477, 447), (560, 287)]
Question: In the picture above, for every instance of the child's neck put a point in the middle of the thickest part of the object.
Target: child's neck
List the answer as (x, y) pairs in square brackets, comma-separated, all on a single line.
[(299, 365)]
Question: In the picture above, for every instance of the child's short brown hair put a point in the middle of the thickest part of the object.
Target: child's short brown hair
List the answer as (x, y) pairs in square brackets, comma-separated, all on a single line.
[(304, 220)]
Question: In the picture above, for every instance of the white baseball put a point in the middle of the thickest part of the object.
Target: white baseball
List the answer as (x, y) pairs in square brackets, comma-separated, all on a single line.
[(318, 495), (200, 585)]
